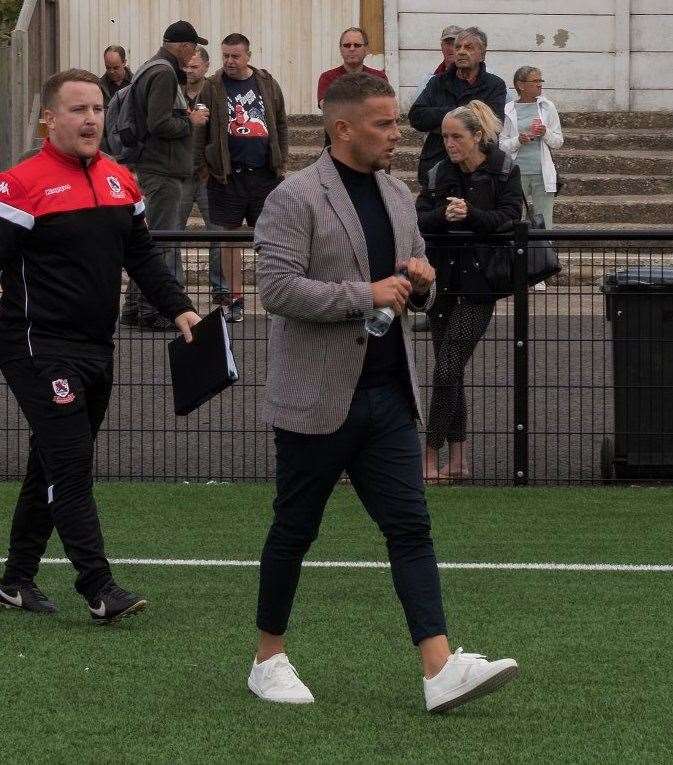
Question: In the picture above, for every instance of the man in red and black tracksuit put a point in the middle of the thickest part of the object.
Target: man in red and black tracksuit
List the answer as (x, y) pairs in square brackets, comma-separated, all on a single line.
[(70, 220)]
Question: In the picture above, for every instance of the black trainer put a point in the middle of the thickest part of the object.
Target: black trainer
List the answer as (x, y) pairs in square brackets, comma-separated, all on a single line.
[(234, 312), (158, 324), (112, 604), (28, 596)]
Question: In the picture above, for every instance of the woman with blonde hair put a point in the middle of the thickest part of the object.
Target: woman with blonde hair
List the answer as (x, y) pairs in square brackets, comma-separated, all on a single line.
[(478, 189), (532, 128)]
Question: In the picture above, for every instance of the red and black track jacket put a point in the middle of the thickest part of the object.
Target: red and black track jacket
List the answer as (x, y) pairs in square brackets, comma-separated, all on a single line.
[(66, 231)]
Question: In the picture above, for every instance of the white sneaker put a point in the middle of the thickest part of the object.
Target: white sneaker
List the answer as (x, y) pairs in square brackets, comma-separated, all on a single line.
[(464, 677), (276, 680)]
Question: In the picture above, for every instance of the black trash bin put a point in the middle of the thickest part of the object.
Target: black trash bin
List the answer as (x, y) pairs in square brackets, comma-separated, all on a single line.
[(639, 307)]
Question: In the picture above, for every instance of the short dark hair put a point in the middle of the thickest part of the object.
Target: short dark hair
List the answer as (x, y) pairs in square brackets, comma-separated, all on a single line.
[(58, 80), (203, 53), (115, 49), (236, 38), (356, 88), (365, 36)]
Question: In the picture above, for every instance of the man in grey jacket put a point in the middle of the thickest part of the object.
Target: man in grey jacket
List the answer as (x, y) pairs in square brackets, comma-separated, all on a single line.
[(166, 164), (332, 241)]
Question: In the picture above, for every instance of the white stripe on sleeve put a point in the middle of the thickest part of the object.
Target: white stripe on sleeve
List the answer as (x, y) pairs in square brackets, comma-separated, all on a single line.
[(139, 207), (14, 215)]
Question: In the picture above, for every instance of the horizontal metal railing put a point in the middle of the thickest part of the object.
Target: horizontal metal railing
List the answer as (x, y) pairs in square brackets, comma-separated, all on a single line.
[(567, 386)]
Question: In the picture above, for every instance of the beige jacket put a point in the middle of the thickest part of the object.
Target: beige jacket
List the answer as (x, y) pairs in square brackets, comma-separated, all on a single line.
[(313, 277)]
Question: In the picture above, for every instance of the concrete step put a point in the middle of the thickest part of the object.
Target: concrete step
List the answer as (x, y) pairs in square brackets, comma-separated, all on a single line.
[(298, 120), (592, 161), (586, 184), (575, 138), (568, 160), (606, 248), (634, 120), (631, 120), (602, 184), (612, 139), (314, 135), (578, 210)]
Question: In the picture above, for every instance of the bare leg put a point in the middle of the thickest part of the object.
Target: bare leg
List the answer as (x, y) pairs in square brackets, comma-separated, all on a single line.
[(431, 465), (457, 466), (232, 268), (269, 645), (434, 654)]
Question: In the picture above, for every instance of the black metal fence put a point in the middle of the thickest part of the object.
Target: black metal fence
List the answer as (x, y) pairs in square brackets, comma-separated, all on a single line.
[(569, 385)]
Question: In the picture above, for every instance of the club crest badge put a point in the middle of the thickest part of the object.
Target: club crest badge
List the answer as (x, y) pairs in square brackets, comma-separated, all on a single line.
[(115, 186), (62, 391), (4, 188)]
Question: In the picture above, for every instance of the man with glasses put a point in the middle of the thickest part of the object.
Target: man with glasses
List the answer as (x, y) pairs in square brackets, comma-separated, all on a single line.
[(354, 48)]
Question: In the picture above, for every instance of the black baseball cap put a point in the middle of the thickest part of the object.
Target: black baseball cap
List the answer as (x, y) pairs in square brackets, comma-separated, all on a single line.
[(183, 31)]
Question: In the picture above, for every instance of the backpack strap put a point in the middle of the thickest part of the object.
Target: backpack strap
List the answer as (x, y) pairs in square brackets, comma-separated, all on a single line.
[(152, 63), (506, 169), (149, 65), (432, 176)]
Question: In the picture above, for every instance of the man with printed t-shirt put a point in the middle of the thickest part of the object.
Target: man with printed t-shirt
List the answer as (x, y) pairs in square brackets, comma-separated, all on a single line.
[(243, 147), (70, 220)]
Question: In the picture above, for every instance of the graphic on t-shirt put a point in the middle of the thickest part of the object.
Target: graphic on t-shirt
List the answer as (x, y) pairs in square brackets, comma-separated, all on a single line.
[(250, 122)]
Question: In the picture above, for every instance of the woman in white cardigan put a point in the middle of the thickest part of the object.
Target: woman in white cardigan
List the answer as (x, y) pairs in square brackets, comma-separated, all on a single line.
[(532, 127)]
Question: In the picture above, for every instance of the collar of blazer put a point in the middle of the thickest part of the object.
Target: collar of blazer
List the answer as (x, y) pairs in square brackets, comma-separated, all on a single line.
[(343, 207)]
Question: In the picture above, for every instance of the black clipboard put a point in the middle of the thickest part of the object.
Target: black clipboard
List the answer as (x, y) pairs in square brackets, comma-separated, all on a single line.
[(203, 368)]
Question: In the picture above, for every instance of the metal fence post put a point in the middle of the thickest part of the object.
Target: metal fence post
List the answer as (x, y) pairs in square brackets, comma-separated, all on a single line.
[(520, 354)]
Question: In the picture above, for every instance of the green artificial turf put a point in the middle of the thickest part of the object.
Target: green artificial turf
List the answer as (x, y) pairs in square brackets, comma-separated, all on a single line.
[(169, 685)]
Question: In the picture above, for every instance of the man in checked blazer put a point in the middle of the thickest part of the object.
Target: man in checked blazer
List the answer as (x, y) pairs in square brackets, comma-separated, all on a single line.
[(331, 240)]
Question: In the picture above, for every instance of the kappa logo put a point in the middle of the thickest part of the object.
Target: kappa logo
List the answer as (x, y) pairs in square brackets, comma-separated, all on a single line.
[(115, 186), (57, 189), (4, 188), (62, 390)]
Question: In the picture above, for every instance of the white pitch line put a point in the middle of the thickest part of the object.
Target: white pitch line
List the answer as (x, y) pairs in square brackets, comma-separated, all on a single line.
[(365, 564)]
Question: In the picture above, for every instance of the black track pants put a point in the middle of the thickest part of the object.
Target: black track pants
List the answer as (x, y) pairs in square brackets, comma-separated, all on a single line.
[(64, 401)]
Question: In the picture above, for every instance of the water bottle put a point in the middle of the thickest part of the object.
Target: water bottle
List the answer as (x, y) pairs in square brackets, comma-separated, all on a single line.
[(379, 320)]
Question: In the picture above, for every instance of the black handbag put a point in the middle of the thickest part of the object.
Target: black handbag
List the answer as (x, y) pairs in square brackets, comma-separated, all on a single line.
[(543, 262)]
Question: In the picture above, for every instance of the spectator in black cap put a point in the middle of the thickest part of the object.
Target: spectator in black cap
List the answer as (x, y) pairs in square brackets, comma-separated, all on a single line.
[(166, 164)]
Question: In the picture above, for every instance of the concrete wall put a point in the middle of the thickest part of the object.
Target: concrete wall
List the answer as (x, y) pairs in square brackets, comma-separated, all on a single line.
[(294, 39), (651, 55), (5, 106), (594, 54)]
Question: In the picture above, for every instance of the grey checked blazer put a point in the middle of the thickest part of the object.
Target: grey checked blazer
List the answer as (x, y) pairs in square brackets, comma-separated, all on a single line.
[(313, 277)]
